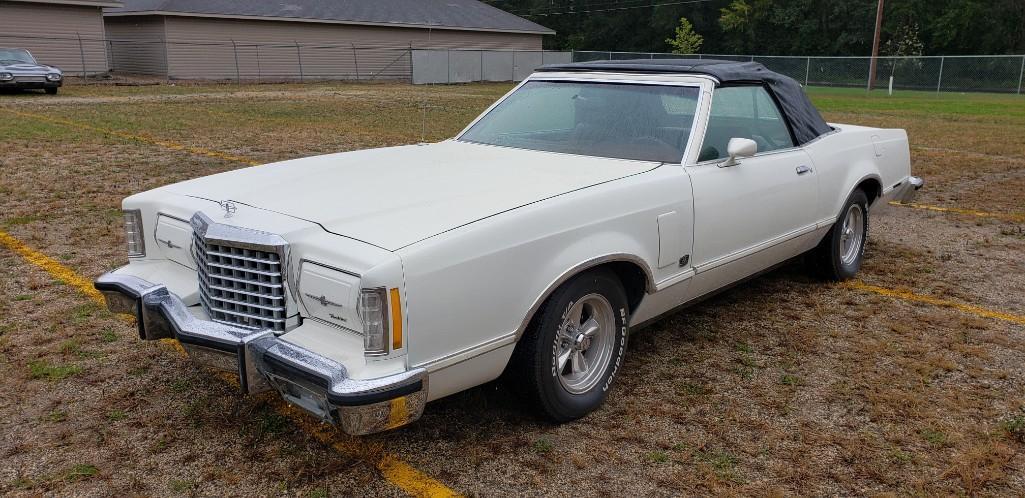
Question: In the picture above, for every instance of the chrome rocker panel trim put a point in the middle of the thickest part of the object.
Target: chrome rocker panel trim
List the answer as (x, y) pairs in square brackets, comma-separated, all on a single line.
[(263, 361)]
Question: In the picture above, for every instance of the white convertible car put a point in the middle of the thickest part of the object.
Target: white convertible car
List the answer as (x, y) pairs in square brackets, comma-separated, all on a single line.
[(591, 199)]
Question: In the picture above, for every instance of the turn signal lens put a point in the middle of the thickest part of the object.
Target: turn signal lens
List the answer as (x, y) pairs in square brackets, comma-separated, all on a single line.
[(396, 319), (373, 310), (134, 234)]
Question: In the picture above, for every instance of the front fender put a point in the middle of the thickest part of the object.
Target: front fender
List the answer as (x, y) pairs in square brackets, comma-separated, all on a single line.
[(474, 289)]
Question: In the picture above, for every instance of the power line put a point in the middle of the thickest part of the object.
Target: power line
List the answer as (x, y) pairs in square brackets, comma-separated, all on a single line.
[(609, 9)]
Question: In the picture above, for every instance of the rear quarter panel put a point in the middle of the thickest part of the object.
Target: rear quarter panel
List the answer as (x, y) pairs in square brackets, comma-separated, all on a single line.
[(852, 154)]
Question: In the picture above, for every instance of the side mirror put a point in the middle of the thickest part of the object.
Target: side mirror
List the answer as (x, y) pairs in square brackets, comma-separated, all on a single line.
[(739, 147)]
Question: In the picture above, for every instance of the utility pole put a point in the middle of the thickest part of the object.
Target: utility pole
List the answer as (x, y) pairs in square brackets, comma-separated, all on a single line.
[(875, 47)]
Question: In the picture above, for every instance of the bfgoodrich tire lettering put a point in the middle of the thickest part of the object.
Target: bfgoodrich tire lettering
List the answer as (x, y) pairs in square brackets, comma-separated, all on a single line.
[(569, 356)]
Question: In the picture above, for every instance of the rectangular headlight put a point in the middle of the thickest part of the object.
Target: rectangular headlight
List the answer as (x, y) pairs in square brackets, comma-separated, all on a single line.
[(134, 235), (373, 311)]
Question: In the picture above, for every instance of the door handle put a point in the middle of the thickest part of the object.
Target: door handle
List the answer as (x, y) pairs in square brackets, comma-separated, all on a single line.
[(801, 170)]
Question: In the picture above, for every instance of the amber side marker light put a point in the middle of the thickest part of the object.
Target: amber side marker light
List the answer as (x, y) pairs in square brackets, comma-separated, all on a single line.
[(396, 319)]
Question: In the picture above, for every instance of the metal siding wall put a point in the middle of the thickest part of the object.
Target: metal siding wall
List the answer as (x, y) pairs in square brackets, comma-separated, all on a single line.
[(498, 66), (524, 63), (431, 66), (25, 24), (137, 44), (202, 48), (464, 66)]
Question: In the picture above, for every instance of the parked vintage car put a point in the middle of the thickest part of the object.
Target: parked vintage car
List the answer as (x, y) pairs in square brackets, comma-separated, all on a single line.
[(19, 70), (591, 199)]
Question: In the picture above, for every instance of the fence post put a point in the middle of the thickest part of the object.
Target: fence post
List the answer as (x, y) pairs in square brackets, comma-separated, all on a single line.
[(939, 82), (355, 60), (259, 70), (299, 53), (110, 54), (238, 74), (167, 62), (1021, 73), (412, 78), (482, 64), (871, 69), (81, 52), (448, 64), (807, 72)]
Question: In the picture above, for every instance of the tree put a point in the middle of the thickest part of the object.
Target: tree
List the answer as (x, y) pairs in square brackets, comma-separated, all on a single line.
[(687, 41), (904, 43)]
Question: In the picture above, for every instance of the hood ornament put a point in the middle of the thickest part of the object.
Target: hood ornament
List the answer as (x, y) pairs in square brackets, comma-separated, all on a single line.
[(229, 208)]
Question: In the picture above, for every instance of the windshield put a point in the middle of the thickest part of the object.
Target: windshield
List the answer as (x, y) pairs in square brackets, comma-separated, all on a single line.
[(16, 55), (623, 121)]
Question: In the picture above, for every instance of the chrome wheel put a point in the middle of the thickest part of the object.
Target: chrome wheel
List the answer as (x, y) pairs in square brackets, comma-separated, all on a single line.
[(852, 235), (584, 343)]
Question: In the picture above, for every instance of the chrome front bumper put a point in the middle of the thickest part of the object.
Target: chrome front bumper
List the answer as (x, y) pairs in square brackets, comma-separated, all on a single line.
[(263, 361), (906, 191)]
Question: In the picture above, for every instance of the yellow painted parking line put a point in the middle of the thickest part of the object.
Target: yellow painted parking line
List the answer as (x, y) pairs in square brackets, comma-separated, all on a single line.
[(167, 144), (935, 301), (970, 212), (392, 468), (52, 266)]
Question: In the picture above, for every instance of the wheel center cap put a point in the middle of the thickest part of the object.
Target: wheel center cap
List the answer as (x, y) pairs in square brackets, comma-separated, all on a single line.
[(582, 342)]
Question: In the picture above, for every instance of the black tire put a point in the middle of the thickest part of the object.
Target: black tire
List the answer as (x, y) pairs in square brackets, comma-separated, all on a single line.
[(51, 90), (828, 259), (533, 370)]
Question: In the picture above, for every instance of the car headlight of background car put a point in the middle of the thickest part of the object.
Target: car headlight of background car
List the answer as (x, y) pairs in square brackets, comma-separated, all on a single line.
[(6, 76), (54, 76), (134, 235)]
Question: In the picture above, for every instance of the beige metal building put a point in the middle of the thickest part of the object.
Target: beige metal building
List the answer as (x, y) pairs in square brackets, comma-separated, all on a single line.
[(68, 34), (306, 39)]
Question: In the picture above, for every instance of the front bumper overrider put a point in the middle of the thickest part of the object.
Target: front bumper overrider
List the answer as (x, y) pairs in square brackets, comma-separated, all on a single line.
[(263, 361)]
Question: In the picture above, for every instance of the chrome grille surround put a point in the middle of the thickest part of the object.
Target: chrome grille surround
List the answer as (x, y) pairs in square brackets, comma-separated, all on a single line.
[(241, 274)]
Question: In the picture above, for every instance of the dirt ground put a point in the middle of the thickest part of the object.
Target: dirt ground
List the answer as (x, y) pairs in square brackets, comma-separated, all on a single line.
[(782, 386)]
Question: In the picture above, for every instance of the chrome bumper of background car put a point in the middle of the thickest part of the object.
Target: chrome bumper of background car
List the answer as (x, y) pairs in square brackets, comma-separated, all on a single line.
[(30, 83), (906, 191), (262, 361)]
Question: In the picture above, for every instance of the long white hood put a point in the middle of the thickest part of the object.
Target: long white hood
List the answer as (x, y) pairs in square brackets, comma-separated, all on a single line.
[(396, 196)]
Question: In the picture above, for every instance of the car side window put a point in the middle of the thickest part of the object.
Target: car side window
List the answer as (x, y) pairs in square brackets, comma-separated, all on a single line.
[(744, 112)]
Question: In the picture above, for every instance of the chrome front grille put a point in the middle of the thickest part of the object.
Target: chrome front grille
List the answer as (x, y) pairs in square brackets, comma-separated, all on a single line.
[(239, 285)]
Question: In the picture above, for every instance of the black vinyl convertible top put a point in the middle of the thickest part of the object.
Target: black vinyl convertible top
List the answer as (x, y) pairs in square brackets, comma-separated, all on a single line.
[(805, 120)]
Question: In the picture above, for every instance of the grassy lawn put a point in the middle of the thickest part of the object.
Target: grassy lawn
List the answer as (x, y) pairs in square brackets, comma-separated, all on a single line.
[(783, 386)]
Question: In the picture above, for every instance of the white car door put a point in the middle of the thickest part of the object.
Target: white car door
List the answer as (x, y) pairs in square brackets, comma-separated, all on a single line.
[(755, 213)]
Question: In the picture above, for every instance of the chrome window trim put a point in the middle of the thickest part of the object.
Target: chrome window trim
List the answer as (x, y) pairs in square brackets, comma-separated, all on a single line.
[(717, 162)]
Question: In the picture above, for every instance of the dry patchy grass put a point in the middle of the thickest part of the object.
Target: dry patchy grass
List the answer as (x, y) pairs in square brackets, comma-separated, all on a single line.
[(782, 386)]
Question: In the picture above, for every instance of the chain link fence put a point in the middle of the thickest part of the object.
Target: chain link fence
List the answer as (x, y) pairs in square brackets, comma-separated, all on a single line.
[(298, 61), (247, 61), (984, 73)]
